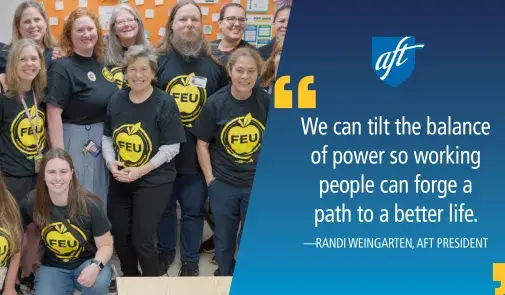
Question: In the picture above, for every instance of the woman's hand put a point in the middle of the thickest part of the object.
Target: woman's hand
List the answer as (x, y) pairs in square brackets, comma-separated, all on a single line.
[(133, 173), (58, 53), (114, 169), (88, 275)]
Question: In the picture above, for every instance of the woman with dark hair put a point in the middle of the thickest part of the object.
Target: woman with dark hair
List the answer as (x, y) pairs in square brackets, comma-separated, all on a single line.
[(230, 132), (75, 231), (281, 19), (10, 239)]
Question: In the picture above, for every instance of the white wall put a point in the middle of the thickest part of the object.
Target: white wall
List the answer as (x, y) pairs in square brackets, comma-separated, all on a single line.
[(7, 8)]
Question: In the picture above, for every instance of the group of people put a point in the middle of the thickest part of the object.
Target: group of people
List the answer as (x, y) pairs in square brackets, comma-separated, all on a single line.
[(102, 136)]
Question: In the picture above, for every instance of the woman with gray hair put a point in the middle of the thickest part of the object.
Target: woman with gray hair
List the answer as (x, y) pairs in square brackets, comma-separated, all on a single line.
[(126, 29), (142, 134)]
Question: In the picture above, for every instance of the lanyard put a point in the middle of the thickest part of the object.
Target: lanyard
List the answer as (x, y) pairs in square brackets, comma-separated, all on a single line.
[(27, 112)]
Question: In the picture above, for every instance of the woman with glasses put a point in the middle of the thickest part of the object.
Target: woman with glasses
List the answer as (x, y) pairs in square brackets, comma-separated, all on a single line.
[(126, 29), (77, 95), (232, 22), (281, 19)]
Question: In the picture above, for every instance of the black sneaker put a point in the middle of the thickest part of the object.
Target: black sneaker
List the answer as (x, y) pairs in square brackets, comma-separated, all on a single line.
[(27, 282), (217, 273), (164, 262), (189, 269), (207, 246)]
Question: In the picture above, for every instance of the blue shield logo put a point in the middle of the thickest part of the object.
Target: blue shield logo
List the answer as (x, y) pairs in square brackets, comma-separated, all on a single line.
[(394, 58)]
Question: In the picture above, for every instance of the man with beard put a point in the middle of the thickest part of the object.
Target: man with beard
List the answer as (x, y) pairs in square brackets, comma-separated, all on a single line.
[(188, 72)]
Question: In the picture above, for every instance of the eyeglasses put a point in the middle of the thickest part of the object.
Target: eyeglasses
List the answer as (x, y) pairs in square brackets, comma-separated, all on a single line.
[(233, 19), (126, 22)]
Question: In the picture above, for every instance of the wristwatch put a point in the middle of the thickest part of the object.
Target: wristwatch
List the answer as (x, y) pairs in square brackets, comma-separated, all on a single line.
[(97, 262)]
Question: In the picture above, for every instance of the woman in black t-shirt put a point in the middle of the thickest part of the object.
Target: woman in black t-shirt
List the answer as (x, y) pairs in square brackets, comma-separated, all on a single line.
[(22, 118), (78, 90), (74, 227), (230, 131), (143, 131), (31, 22), (10, 239)]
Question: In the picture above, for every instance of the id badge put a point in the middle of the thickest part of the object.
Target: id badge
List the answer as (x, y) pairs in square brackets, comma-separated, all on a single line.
[(198, 81), (36, 161), (92, 148)]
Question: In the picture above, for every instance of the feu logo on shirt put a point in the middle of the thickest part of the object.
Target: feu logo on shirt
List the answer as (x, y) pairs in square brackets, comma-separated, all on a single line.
[(190, 98), (133, 145), (22, 134), (242, 137), (61, 242), (114, 75), (4, 247)]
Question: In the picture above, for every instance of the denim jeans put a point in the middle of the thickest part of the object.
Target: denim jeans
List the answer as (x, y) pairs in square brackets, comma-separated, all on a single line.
[(229, 205), (190, 191), (60, 281)]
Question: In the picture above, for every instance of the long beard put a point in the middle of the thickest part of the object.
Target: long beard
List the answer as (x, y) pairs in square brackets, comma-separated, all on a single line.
[(187, 48)]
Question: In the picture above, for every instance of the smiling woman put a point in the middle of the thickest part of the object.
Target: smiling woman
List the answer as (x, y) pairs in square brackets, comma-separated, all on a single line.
[(77, 96), (143, 130), (31, 22)]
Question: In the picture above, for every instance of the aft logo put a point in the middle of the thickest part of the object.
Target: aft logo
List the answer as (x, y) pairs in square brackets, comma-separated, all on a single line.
[(394, 58)]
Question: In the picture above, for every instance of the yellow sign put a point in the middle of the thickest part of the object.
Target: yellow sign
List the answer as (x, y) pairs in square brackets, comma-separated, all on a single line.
[(283, 99), (499, 276), (4, 247)]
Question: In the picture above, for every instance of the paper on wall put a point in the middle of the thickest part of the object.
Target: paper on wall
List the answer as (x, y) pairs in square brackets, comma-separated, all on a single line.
[(59, 5), (215, 17), (53, 21), (158, 2), (83, 3), (205, 10), (162, 32), (139, 2), (149, 13), (104, 15)]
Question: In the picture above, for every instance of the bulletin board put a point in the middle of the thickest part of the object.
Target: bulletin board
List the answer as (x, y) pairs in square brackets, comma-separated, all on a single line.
[(154, 14)]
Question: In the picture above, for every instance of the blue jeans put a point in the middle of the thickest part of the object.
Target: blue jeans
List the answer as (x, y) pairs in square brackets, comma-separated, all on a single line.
[(190, 191), (229, 205), (59, 281)]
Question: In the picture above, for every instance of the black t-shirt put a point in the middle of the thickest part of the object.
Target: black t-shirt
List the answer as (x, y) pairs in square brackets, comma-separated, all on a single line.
[(81, 87), (5, 247), (17, 139), (62, 250), (138, 131), (4, 56), (223, 56), (234, 130), (266, 50), (115, 73), (174, 76)]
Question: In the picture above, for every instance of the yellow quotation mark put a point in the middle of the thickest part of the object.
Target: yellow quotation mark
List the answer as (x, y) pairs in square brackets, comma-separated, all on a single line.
[(284, 98), (499, 276)]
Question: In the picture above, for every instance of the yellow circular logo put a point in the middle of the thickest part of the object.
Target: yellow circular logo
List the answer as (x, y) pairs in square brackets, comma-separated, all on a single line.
[(190, 98), (133, 146), (22, 134), (242, 137), (4, 247), (61, 241), (115, 75)]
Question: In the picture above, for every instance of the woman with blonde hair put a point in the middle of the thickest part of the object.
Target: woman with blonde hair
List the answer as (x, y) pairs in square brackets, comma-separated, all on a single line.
[(10, 239), (30, 21), (77, 95)]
